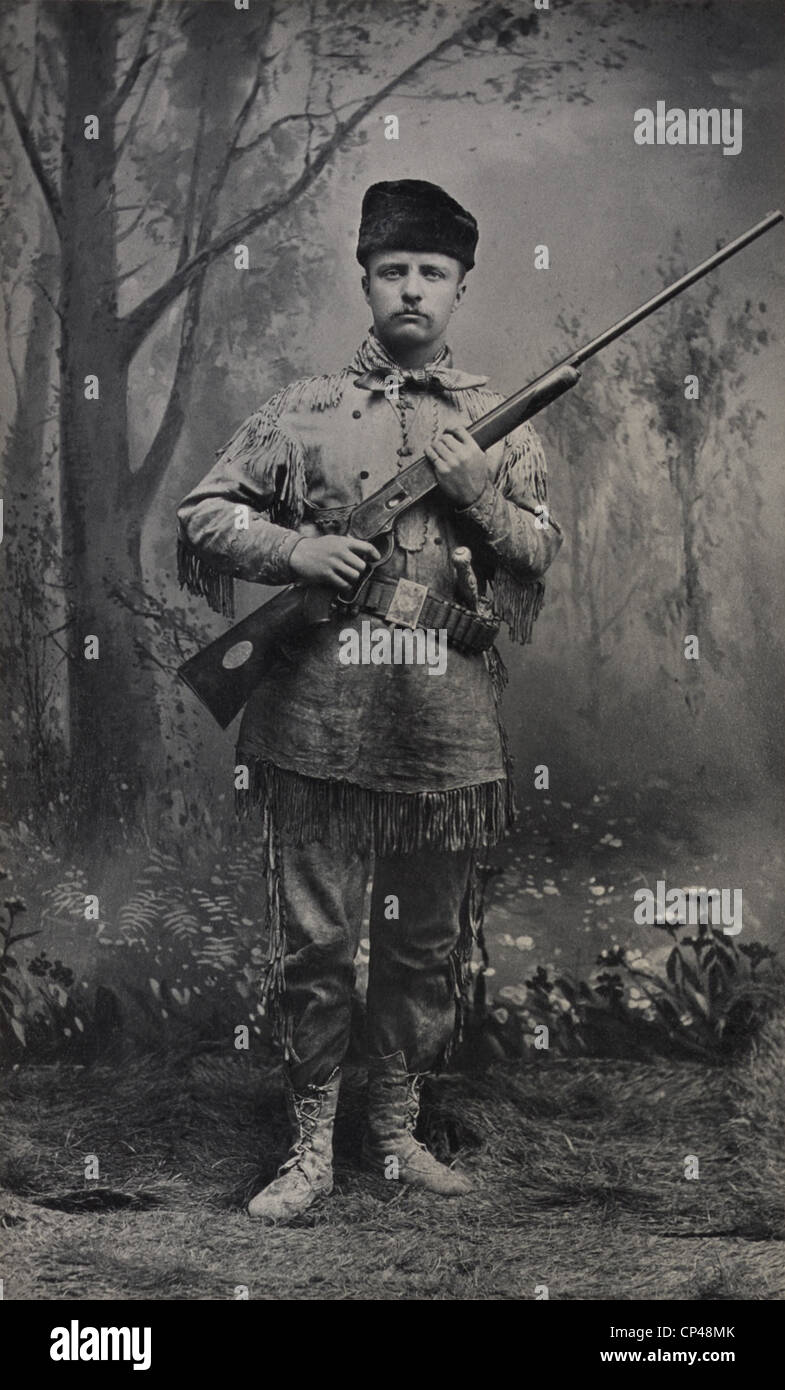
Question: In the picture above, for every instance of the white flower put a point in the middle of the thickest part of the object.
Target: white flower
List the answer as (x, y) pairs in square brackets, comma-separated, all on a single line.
[(514, 994)]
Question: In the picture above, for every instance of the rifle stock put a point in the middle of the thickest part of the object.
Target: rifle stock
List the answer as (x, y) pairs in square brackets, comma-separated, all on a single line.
[(225, 674)]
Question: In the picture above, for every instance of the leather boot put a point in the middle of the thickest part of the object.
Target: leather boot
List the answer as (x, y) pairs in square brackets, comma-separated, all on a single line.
[(393, 1108), (307, 1173)]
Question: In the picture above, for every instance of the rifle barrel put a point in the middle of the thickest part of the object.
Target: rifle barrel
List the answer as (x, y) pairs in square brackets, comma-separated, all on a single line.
[(670, 292)]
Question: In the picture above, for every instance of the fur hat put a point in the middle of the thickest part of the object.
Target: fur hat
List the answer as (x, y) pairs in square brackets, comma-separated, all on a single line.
[(412, 215)]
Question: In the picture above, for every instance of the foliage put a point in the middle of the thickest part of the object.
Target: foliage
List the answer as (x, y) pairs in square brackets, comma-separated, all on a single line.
[(181, 942), (41, 1015), (711, 1002), (175, 955), (193, 938)]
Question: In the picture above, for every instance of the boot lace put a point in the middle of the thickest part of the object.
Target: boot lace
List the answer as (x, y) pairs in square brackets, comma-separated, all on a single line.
[(413, 1108), (307, 1110), (413, 1101)]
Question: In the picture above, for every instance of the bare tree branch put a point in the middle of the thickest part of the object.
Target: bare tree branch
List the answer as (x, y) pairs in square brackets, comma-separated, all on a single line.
[(48, 297), (31, 96), (263, 135), (614, 618), (130, 129), (137, 323), (8, 304), (129, 274), (146, 653), (193, 187), (147, 477), (136, 64), (50, 192), (128, 231)]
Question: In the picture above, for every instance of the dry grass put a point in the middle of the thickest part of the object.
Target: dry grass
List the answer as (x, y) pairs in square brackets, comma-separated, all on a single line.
[(579, 1171)]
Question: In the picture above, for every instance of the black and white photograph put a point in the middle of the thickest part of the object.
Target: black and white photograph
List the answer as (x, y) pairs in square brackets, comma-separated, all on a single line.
[(391, 785)]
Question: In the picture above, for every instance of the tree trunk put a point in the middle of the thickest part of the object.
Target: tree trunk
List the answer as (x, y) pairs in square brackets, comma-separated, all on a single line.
[(113, 723), (24, 555), (694, 596)]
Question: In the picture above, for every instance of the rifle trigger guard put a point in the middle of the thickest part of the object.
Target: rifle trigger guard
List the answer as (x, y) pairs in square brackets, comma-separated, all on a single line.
[(352, 603)]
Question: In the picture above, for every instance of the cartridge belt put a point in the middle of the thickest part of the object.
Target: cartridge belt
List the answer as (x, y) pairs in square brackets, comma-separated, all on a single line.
[(407, 604)]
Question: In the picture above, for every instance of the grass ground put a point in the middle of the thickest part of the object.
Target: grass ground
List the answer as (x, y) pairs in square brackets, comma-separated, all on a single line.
[(579, 1168)]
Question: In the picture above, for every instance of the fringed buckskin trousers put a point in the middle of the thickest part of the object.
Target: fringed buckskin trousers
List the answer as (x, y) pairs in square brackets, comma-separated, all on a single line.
[(418, 913)]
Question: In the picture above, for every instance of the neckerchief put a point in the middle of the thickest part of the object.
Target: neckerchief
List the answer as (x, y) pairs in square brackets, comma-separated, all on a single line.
[(375, 368)]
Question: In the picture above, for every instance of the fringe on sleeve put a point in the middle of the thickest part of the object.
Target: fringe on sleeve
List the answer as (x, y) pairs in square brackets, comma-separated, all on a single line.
[(517, 602), (203, 580), (272, 460), (523, 477)]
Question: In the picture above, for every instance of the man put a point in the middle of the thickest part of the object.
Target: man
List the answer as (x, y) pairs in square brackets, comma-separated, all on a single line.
[(383, 760)]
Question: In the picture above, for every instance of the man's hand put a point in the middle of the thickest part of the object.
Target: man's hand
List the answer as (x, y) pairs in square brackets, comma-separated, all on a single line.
[(335, 560), (460, 465)]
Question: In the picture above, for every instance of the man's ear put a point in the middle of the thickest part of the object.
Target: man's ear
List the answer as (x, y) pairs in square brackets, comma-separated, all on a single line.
[(459, 293)]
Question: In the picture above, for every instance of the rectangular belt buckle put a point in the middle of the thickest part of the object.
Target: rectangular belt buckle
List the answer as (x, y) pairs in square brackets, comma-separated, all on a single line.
[(407, 603)]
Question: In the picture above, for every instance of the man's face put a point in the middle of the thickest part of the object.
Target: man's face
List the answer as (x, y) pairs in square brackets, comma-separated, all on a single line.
[(412, 294)]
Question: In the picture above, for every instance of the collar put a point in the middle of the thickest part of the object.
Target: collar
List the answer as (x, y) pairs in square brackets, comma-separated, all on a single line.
[(374, 367)]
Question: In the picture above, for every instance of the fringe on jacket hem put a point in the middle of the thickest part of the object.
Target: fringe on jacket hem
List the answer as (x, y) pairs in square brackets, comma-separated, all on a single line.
[(388, 822)]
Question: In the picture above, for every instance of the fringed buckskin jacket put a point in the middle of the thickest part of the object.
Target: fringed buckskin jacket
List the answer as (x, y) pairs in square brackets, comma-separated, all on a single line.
[(386, 757)]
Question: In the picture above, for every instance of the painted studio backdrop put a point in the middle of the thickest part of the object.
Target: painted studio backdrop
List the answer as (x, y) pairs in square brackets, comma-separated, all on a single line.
[(181, 197)]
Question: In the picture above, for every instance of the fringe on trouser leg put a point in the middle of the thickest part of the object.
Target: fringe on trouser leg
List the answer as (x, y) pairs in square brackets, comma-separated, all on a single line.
[(273, 982), (471, 934)]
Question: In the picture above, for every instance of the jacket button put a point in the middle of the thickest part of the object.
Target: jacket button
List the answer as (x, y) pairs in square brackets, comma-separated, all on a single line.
[(357, 415), (405, 450), (364, 473)]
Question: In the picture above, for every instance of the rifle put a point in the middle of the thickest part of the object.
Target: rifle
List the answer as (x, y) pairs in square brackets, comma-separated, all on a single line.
[(224, 675)]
